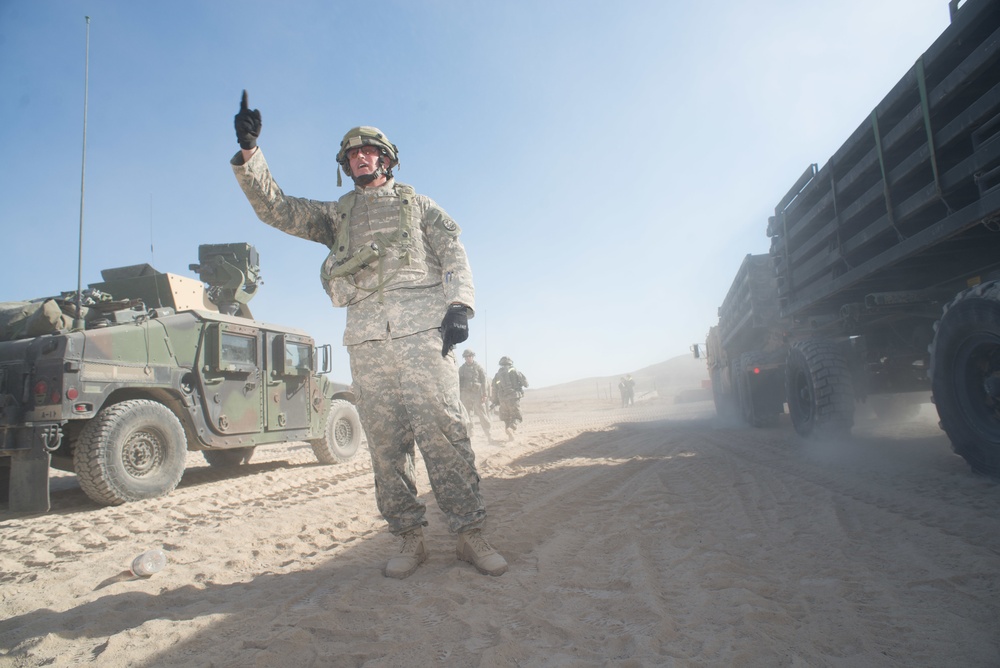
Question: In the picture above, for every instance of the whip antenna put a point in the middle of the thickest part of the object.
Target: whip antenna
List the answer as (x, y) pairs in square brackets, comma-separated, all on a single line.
[(152, 255), (78, 322)]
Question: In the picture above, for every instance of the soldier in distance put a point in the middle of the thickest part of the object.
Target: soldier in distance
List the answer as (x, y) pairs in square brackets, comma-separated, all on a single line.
[(474, 390), (397, 265), (508, 388)]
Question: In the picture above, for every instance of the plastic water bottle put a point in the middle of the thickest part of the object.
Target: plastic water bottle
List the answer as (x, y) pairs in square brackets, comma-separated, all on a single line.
[(149, 562)]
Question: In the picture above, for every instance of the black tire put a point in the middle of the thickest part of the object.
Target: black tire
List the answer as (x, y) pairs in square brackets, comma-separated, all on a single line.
[(965, 376), (130, 451), (228, 458), (5, 479), (342, 435), (819, 390)]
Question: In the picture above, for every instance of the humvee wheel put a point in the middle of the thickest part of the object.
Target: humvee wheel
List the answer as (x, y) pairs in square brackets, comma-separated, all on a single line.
[(132, 450), (228, 458), (342, 435)]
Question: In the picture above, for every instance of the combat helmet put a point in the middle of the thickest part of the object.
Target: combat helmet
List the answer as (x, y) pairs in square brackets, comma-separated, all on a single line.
[(506, 361), (366, 135), (468, 352)]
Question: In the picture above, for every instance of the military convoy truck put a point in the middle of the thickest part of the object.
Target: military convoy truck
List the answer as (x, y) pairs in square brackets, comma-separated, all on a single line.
[(881, 282), (119, 381)]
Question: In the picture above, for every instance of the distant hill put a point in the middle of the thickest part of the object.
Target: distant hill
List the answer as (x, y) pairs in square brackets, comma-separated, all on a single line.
[(667, 379)]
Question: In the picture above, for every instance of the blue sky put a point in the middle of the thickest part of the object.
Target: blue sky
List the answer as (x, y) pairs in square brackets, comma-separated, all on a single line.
[(610, 163)]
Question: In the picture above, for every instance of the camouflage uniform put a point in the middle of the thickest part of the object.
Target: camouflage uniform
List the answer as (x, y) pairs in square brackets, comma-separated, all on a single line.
[(474, 392), (508, 386), (407, 393)]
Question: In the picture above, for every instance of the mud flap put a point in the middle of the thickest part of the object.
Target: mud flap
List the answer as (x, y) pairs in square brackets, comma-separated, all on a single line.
[(28, 482), (27, 474)]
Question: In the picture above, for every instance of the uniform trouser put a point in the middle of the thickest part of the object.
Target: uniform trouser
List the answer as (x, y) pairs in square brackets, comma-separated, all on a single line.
[(475, 406), (407, 395), (510, 409)]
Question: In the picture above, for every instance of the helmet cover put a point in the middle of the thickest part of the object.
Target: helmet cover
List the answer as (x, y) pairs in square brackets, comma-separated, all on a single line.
[(366, 135)]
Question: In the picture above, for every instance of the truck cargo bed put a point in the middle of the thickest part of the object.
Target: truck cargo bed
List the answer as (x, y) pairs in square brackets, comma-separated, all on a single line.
[(911, 201)]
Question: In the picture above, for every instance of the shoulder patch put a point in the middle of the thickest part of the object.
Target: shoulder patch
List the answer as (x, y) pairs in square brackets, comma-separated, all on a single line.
[(445, 222)]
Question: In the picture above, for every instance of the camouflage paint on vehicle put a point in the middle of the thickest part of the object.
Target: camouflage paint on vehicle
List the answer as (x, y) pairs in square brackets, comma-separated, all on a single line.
[(231, 381)]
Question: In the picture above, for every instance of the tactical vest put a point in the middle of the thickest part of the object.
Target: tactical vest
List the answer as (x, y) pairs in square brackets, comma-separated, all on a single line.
[(338, 269), (510, 381), (469, 378)]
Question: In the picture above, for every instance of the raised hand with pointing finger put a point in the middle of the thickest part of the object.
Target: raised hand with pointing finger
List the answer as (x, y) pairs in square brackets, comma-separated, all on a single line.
[(247, 124)]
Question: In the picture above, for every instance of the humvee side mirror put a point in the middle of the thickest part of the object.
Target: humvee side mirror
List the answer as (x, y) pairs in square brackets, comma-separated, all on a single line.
[(324, 361)]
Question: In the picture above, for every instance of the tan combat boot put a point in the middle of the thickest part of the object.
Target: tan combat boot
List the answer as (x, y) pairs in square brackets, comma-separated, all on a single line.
[(472, 547), (411, 554)]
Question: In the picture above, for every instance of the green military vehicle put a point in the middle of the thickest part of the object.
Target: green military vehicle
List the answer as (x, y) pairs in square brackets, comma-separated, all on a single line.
[(117, 382), (882, 283)]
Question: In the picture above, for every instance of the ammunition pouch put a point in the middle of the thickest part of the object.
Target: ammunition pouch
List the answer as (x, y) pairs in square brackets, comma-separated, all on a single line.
[(364, 256), (338, 270), (337, 277)]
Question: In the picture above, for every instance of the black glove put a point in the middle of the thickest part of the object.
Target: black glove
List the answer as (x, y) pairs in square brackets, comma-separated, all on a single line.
[(247, 124), (454, 328)]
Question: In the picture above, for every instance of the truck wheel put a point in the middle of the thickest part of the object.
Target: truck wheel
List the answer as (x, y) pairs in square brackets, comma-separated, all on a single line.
[(965, 376), (819, 389), (132, 450), (228, 458), (342, 435)]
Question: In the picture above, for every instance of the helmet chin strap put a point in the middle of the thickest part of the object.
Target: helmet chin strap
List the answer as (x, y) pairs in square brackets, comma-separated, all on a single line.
[(365, 179)]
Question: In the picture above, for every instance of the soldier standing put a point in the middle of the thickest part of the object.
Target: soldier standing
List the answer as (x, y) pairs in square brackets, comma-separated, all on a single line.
[(627, 388), (397, 264), (474, 390), (508, 388)]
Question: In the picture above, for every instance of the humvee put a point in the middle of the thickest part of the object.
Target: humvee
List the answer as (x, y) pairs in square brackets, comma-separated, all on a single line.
[(117, 382)]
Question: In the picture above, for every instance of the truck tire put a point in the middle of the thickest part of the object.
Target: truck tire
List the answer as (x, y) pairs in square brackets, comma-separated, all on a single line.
[(228, 458), (965, 376), (130, 451), (342, 435), (819, 389), (758, 409)]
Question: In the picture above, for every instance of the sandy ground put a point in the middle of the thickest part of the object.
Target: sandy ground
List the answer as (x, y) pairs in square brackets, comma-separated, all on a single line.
[(653, 535)]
